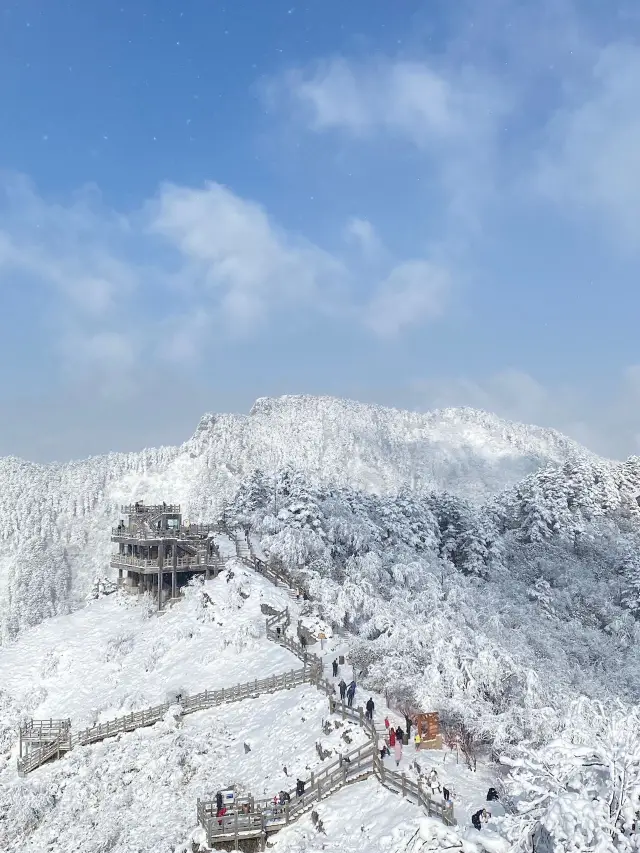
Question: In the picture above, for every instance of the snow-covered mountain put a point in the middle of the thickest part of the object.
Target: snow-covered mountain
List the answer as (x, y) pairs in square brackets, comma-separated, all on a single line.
[(486, 570), (54, 519), (378, 449), (138, 790)]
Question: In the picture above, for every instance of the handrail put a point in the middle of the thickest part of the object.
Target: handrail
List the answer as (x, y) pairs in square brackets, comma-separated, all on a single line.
[(350, 767), (266, 815), (144, 509), (183, 532), (198, 559), (190, 704)]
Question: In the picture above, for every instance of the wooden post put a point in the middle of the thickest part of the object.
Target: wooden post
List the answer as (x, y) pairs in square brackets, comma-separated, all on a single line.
[(160, 574), (174, 569), (235, 827), (361, 714), (286, 812), (403, 777)]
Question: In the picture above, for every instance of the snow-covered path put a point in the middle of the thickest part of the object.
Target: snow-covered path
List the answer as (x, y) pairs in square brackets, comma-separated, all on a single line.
[(113, 656)]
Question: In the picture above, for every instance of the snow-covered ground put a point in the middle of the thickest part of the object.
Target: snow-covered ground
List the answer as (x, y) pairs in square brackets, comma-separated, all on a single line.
[(138, 791), (117, 655), (226, 545), (362, 817)]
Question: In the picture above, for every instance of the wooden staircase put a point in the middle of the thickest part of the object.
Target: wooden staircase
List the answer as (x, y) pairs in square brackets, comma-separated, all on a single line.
[(40, 741), (43, 740)]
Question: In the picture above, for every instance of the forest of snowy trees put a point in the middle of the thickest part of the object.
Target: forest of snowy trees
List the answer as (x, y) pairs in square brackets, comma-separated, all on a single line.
[(518, 620), (485, 570), (455, 606)]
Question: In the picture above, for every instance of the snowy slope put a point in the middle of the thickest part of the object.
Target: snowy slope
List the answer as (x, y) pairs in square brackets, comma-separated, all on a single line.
[(54, 520), (138, 791)]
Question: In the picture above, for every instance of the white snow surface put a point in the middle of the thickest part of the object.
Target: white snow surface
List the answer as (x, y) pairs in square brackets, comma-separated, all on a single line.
[(54, 518), (137, 791)]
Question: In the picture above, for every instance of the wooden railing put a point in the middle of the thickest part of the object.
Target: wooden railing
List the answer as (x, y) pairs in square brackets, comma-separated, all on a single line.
[(199, 559), (183, 532), (37, 757), (191, 704), (42, 730), (397, 782), (265, 816), (148, 509), (54, 736)]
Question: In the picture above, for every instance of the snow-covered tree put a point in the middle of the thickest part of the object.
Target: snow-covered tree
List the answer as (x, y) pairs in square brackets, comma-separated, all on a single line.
[(580, 790)]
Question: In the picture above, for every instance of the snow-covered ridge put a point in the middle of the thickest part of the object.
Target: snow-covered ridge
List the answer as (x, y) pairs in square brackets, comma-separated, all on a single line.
[(54, 519)]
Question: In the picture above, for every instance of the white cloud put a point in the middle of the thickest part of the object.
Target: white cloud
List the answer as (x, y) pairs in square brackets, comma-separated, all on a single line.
[(448, 112), (237, 259), (590, 164), (75, 251), (71, 248), (412, 99), (604, 419), (121, 292), (363, 234), (413, 292)]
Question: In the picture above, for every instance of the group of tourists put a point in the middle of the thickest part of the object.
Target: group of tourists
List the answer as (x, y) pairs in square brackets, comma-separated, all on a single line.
[(349, 692), (279, 802), (395, 739), (481, 817)]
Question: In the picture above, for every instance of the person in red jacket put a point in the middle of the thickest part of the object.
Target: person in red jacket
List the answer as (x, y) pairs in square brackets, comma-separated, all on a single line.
[(392, 737)]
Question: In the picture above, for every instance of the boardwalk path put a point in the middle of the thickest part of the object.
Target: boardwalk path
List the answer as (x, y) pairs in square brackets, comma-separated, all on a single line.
[(54, 737)]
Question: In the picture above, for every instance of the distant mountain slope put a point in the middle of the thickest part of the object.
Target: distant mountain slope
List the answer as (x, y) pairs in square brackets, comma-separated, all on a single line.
[(55, 520), (465, 451)]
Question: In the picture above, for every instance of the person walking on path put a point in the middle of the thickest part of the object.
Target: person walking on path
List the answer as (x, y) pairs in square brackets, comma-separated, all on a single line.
[(417, 740), (386, 723), (343, 689), (397, 752), (351, 692), (408, 723), (480, 817), (392, 737), (399, 734), (335, 668), (370, 706)]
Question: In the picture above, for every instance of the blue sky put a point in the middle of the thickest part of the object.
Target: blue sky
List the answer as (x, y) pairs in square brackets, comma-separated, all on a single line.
[(409, 203)]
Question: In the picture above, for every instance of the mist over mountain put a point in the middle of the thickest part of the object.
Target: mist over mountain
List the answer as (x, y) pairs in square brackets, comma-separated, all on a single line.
[(55, 519), (479, 567)]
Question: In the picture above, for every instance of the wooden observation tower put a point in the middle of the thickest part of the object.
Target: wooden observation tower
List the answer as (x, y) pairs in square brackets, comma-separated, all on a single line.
[(157, 553)]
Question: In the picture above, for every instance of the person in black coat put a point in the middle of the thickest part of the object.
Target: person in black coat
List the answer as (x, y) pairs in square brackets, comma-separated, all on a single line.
[(400, 734), (335, 668), (343, 689), (370, 706), (300, 787), (218, 801), (475, 819)]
